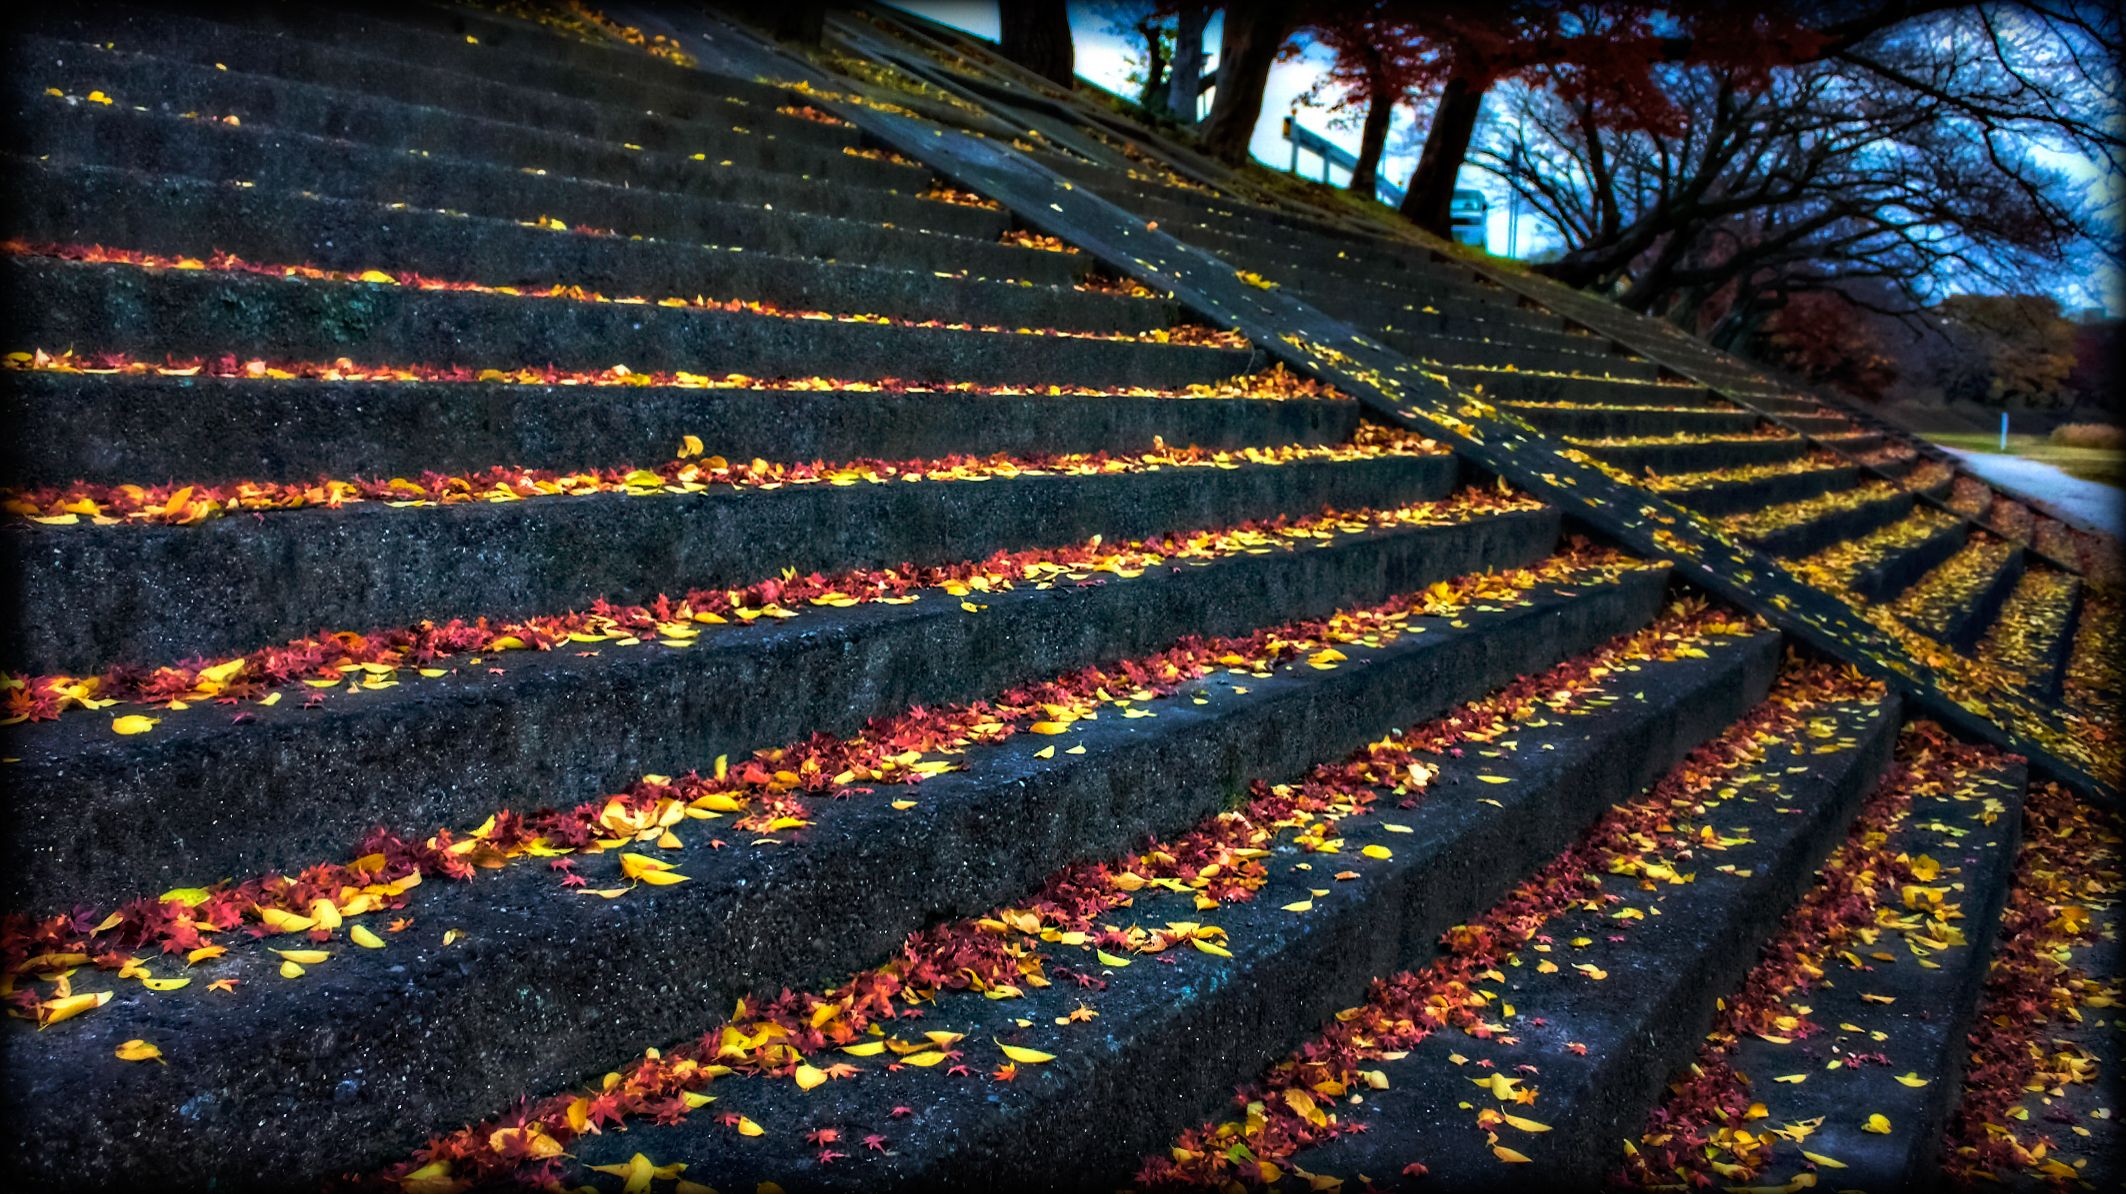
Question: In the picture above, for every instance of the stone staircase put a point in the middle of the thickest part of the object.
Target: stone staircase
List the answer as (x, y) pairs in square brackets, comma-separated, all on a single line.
[(579, 620)]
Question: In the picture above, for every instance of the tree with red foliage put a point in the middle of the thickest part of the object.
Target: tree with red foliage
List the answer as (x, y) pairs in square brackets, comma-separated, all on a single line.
[(1886, 164), (1378, 64), (1827, 340), (1604, 54)]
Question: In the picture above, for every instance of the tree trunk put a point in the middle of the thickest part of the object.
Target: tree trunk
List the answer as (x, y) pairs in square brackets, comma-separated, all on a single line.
[(1185, 81), (1372, 142), (1430, 199), (1153, 94), (1036, 35), (1253, 35)]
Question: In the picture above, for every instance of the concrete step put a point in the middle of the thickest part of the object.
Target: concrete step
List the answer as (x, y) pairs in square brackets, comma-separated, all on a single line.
[(1419, 325), (2032, 637), (146, 594), (1584, 420), (1170, 1037), (1955, 602), (1594, 1038), (152, 313), (1877, 566), (1717, 497), (990, 830), (1806, 527), (670, 163), (192, 218), (462, 42), (1670, 455), (1505, 354), (1509, 385), (144, 427), (726, 205), (1883, 1032), (615, 106), (565, 725)]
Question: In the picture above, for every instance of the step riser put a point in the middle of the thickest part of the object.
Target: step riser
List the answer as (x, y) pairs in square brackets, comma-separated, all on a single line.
[(1502, 386), (1971, 619), (435, 35), (1899, 572), (1809, 538), (174, 217), (1417, 327), (380, 124), (1500, 354), (435, 39), (1718, 501), (435, 123), (769, 212), (561, 728), (154, 594), (2048, 684), (1359, 300), (1930, 1038), (608, 115), (1698, 458), (1641, 1024), (205, 313), (204, 430), (1127, 1106), (1631, 1079), (1597, 423), (509, 1012)]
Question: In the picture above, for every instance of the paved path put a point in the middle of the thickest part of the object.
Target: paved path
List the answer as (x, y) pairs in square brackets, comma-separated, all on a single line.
[(2087, 504)]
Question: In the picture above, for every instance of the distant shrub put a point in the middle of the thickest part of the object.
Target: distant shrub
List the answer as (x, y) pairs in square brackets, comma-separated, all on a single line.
[(2090, 435)]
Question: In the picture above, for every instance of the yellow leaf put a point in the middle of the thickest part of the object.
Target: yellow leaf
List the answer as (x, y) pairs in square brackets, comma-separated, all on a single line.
[(1820, 1159), (308, 957), (1796, 1079), (204, 952), (1377, 852), (1508, 1155), (165, 984), (1048, 727), (364, 938), (1878, 1124), (1911, 1078), (1526, 1125), (866, 1049), (926, 1059), (281, 921), (747, 1127), (134, 723), (66, 1007), (1210, 948), (139, 1050), (1020, 1053), (661, 878), (810, 1076), (1300, 906), (1495, 779), (1108, 959), (291, 970)]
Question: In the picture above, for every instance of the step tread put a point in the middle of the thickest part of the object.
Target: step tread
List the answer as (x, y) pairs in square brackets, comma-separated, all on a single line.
[(1181, 762)]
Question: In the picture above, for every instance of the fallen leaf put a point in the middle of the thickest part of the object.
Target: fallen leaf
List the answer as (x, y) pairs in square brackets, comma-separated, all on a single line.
[(1028, 1056)]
